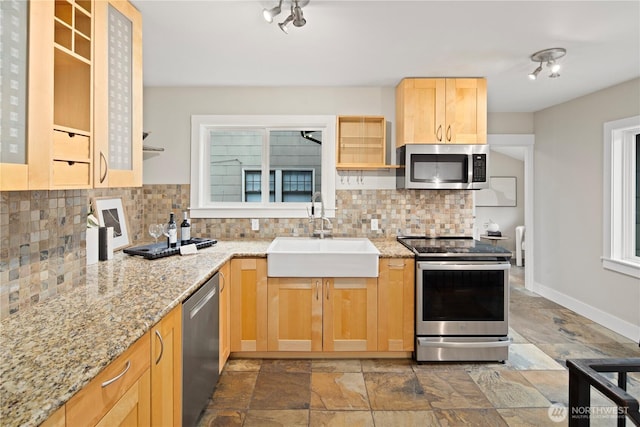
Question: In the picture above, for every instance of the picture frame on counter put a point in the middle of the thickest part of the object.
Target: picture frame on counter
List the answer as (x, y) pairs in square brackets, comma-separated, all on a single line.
[(110, 213)]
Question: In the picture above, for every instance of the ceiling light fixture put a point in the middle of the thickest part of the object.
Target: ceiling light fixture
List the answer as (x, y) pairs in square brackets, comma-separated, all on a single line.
[(549, 56), (296, 15)]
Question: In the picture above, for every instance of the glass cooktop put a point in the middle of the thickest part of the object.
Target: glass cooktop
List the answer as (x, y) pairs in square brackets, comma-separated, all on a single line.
[(451, 246)]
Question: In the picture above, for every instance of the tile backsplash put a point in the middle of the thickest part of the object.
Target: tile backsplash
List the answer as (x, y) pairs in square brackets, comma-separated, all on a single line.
[(42, 233)]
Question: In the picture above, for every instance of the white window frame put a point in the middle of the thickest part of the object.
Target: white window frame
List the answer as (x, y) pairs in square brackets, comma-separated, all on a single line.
[(202, 207), (619, 196)]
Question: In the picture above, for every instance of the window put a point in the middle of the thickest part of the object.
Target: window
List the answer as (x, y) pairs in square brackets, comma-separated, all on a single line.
[(621, 250), (261, 166)]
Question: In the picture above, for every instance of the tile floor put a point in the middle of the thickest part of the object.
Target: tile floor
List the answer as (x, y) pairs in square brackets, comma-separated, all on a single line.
[(403, 393)]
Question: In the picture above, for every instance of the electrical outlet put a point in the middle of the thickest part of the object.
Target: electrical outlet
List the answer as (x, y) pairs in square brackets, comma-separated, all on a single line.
[(255, 224), (374, 224)]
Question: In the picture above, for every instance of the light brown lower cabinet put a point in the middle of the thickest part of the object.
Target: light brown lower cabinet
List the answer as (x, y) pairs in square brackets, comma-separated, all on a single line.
[(322, 314), (166, 370), (396, 296), (248, 304), (57, 419), (225, 314), (119, 395)]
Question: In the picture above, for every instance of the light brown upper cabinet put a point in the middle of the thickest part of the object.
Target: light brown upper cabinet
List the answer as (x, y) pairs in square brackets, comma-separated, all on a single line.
[(441, 111), (55, 152), (361, 142), (77, 111), (118, 95)]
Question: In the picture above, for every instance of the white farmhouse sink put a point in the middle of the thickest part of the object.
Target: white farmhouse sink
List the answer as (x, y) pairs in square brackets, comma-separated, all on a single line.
[(313, 257)]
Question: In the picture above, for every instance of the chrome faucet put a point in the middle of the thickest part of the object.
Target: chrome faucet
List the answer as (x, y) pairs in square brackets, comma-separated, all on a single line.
[(312, 217)]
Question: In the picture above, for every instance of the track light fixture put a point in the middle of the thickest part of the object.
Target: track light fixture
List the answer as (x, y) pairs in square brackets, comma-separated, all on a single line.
[(296, 15), (549, 56)]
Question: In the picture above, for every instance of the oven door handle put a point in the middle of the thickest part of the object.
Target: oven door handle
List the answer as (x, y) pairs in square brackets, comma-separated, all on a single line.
[(462, 265), (426, 342)]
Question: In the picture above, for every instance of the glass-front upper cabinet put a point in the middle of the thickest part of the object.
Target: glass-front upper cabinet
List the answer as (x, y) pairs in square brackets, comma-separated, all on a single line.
[(118, 95), (14, 20)]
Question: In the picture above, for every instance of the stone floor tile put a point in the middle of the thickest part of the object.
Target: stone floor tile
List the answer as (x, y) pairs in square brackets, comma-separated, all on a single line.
[(336, 365), (405, 419), (395, 391), (281, 390), (221, 418), (508, 389), (277, 418), (243, 365), (387, 365), (286, 365), (234, 390), (338, 391), (529, 357), (341, 419), (529, 417), (470, 417), (554, 385), (450, 390)]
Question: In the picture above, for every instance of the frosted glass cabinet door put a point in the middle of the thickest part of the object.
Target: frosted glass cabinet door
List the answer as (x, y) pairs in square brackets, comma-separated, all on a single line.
[(13, 94), (118, 95)]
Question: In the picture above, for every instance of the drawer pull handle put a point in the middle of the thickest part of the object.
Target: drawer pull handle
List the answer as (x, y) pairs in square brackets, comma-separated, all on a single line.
[(117, 377), (161, 347)]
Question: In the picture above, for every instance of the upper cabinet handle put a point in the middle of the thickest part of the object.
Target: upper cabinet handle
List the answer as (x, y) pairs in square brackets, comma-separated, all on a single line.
[(103, 159), (117, 377), (449, 133), (439, 133)]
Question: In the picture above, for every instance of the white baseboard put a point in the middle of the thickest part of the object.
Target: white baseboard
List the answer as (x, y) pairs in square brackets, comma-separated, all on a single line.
[(622, 327)]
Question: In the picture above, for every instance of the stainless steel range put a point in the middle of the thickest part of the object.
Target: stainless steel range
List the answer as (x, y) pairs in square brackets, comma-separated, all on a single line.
[(462, 299)]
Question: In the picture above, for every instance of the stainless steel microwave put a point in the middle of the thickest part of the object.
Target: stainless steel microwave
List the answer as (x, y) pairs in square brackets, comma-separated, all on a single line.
[(442, 166)]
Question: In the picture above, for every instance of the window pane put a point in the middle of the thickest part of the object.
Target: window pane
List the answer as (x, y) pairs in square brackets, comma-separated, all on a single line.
[(232, 152), (299, 159)]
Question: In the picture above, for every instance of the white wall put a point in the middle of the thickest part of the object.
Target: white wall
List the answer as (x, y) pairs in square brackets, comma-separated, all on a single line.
[(568, 209), (506, 217)]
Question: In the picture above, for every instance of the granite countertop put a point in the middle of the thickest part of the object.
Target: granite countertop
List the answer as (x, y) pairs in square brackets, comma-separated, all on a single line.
[(52, 350)]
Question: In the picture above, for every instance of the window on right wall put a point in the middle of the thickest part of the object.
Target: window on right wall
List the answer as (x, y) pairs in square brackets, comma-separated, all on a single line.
[(621, 240)]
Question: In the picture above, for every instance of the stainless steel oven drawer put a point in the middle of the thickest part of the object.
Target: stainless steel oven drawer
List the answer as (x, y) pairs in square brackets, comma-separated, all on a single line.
[(440, 349)]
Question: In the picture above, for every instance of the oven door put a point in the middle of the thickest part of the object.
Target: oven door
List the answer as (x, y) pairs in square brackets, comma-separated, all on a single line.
[(462, 298)]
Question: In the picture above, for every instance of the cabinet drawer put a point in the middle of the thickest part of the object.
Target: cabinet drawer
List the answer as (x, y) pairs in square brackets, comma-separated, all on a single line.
[(70, 146), (91, 403), (71, 174)]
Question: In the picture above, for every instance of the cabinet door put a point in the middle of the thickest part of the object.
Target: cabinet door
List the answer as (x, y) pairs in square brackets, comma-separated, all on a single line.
[(118, 95), (396, 291), (249, 304), (295, 314), (466, 116), (225, 314), (350, 318), (420, 111), (133, 408), (166, 370), (129, 371), (57, 419)]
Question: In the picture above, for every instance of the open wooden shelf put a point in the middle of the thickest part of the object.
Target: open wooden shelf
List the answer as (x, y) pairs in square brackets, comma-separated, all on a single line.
[(361, 143)]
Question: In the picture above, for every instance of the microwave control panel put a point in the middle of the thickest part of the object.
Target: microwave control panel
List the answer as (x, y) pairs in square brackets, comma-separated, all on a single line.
[(479, 168)]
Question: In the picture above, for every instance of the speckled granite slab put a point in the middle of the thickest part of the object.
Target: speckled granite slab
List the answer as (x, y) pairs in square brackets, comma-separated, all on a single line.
[(49, 352)]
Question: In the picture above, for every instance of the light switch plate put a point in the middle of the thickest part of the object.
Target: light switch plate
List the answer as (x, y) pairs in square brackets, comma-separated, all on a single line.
[(255, 224), (374, 224)]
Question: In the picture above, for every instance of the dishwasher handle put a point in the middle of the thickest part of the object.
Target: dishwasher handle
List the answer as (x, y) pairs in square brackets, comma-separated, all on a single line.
[(205, 299)]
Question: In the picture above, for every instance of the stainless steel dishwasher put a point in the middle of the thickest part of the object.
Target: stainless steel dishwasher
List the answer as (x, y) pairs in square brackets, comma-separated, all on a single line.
[(200, 344)]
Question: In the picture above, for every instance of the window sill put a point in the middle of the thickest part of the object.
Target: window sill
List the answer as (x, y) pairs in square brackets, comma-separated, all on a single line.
[(625, 267), (258, 210)]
